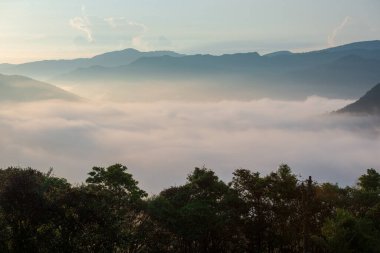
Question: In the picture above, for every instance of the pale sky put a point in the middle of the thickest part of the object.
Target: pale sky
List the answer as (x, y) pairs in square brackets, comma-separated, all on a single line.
[(52, 29)]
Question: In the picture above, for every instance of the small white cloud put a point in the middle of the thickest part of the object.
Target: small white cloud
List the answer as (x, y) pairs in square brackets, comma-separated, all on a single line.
[(331, 38)]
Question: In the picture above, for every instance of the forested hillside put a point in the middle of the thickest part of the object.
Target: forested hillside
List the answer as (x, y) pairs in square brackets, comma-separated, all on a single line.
[(279, 212)]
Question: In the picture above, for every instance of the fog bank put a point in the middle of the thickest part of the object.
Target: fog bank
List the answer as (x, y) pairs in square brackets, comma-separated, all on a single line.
[(161, 142)]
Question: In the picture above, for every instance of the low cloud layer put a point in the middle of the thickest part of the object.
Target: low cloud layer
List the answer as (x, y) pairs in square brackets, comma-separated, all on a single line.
[(162, 141)]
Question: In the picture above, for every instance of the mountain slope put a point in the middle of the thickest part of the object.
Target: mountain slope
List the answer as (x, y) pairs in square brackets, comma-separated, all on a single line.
[(20, 88), (367, 104), (362, 45)]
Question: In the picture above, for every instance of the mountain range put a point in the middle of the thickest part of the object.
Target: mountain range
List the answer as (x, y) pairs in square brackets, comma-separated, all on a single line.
[(46, 69), (339, 72)]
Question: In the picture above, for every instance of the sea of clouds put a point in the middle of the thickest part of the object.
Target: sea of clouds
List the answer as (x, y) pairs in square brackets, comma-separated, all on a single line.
[(161, 142)]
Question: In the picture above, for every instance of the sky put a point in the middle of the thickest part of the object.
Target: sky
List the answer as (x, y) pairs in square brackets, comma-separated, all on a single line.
[(54, 29)]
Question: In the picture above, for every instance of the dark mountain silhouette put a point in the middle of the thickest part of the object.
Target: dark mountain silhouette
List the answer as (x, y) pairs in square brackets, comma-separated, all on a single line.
[(44, 70), (20, 88), (367, 104)]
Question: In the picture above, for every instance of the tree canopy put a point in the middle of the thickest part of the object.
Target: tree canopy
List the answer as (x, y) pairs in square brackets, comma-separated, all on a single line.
[(278, 212)]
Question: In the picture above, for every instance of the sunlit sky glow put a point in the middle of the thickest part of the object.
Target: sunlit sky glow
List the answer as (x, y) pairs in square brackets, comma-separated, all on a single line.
[(46, 29)]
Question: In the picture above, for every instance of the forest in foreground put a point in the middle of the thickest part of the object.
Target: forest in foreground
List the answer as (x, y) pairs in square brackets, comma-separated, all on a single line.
[(278, 212)]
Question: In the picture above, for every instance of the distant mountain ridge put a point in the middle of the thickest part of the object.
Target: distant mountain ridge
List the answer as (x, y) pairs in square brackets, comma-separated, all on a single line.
[(339, 72), (362, 45), (47, 69), (126, 56), (367, 104), (334, 72)]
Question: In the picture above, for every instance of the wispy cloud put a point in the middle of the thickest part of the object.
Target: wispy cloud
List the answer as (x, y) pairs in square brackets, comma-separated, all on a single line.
[(119, 30), (332, 37), (137, 29), (83, 24)]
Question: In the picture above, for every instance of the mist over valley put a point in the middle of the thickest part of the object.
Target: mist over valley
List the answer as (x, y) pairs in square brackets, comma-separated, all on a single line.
[(163, 113)]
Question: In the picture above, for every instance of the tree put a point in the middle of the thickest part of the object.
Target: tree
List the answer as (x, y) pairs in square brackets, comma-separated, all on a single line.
[(284, 212), (253, 191), (366, 195), (89, 224), (116, 179), (29, 211), (346, 233), (200, 214), (370, 181), (273, 213), (125, 200)]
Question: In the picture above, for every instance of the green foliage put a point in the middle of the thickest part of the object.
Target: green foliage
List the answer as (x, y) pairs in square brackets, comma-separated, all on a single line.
[(201, 214), (347, 233), (370, 181), (115, 178), (277, 212)]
